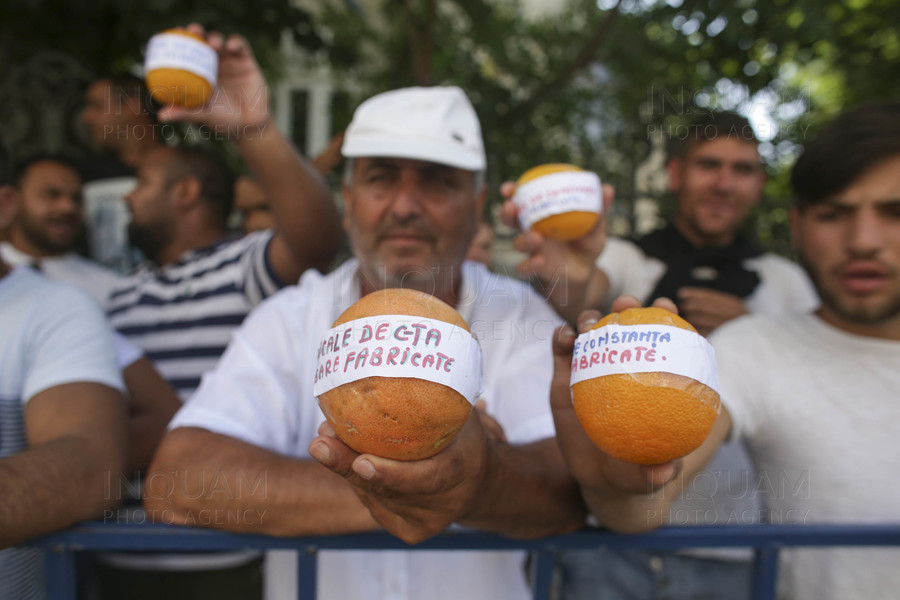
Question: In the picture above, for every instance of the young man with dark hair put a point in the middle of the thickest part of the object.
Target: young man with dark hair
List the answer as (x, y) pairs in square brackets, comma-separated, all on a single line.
[(47, 195), (199, 284), (701, 259), (813, 395), (713, 125), (154, 226), (48, 225), (714, 273)]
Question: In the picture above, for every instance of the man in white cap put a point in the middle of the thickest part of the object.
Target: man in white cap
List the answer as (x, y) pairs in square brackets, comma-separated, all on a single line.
[(414, 193)]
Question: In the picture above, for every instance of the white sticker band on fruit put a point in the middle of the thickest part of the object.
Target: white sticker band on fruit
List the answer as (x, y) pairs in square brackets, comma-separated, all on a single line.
[(399, 346), (557, 193), (615, 349), (176, 51)]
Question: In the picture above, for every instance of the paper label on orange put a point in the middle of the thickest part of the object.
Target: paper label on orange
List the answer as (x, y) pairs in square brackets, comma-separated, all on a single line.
[(557, 193), (399, 346), (616, 349), (176, 51)]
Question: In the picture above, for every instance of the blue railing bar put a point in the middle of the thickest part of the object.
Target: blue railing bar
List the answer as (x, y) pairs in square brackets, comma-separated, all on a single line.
[(541, 574), (107, 536), (59, 568), (767, 539), (307, 574), (765, 574)]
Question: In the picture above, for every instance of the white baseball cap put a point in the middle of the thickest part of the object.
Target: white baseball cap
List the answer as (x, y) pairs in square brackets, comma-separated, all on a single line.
[(436, 124)]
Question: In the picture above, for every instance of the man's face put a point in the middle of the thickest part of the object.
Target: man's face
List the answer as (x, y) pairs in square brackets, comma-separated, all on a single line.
[(717, 183), (850, 244), (410, 222), (152, 225), (49, 220), (107, 116)]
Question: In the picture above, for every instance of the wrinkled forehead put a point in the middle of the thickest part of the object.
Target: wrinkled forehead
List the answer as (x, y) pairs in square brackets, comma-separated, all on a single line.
[(424, 168)]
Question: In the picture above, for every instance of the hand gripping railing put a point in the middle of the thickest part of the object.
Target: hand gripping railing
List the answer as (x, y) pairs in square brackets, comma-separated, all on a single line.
[(767, 540)]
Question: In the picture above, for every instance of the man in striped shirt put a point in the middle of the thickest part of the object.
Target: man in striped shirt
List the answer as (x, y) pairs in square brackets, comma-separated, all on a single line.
[(199, 285)]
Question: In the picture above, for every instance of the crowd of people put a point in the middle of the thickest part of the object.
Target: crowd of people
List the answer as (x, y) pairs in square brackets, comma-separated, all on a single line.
[(195, 367)]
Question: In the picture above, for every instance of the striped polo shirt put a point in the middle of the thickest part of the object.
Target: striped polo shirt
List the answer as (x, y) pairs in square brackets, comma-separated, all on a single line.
[(182, 315)]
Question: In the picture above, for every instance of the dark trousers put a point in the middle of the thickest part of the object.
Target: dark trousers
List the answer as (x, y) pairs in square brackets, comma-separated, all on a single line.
[(106, 582)]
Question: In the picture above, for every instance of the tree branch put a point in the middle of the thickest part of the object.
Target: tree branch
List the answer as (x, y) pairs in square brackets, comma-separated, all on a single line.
[(584, 58), (421, 46)]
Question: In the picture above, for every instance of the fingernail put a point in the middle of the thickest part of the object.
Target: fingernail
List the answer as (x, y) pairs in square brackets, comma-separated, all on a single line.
[(364, 469), (320, 451)]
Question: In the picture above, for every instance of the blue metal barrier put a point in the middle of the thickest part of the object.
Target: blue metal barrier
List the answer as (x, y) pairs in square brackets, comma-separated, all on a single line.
[(768, 540)]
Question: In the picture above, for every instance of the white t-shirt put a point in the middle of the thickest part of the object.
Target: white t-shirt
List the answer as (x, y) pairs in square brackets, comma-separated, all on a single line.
[(818, 408), (261, 392), (50, 334), (722, 494), (94, 280), (87, 275)]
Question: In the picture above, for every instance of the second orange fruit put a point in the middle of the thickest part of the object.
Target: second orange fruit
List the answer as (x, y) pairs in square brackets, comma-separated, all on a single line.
[(645, 418), (563, 226), (179, 86)]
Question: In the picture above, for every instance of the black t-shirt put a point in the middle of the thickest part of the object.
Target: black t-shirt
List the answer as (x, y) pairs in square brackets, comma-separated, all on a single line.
[(715, 267)]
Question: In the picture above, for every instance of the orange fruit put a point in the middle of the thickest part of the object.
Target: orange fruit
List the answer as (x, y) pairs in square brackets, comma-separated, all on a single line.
[(561, 226), (178, 86), (645, 418), (400, 418)]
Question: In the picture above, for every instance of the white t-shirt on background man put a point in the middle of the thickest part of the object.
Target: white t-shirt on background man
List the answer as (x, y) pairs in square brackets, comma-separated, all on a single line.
[(818, 408)]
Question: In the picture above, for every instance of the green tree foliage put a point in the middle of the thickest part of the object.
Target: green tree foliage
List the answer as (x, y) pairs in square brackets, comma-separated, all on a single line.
[(110, 35), (50, 50), (592, 82)]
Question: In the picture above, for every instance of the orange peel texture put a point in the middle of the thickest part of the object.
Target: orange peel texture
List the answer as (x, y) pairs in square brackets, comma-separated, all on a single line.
[(562, 226), (177, 86), (646, 418), (394, 417)]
